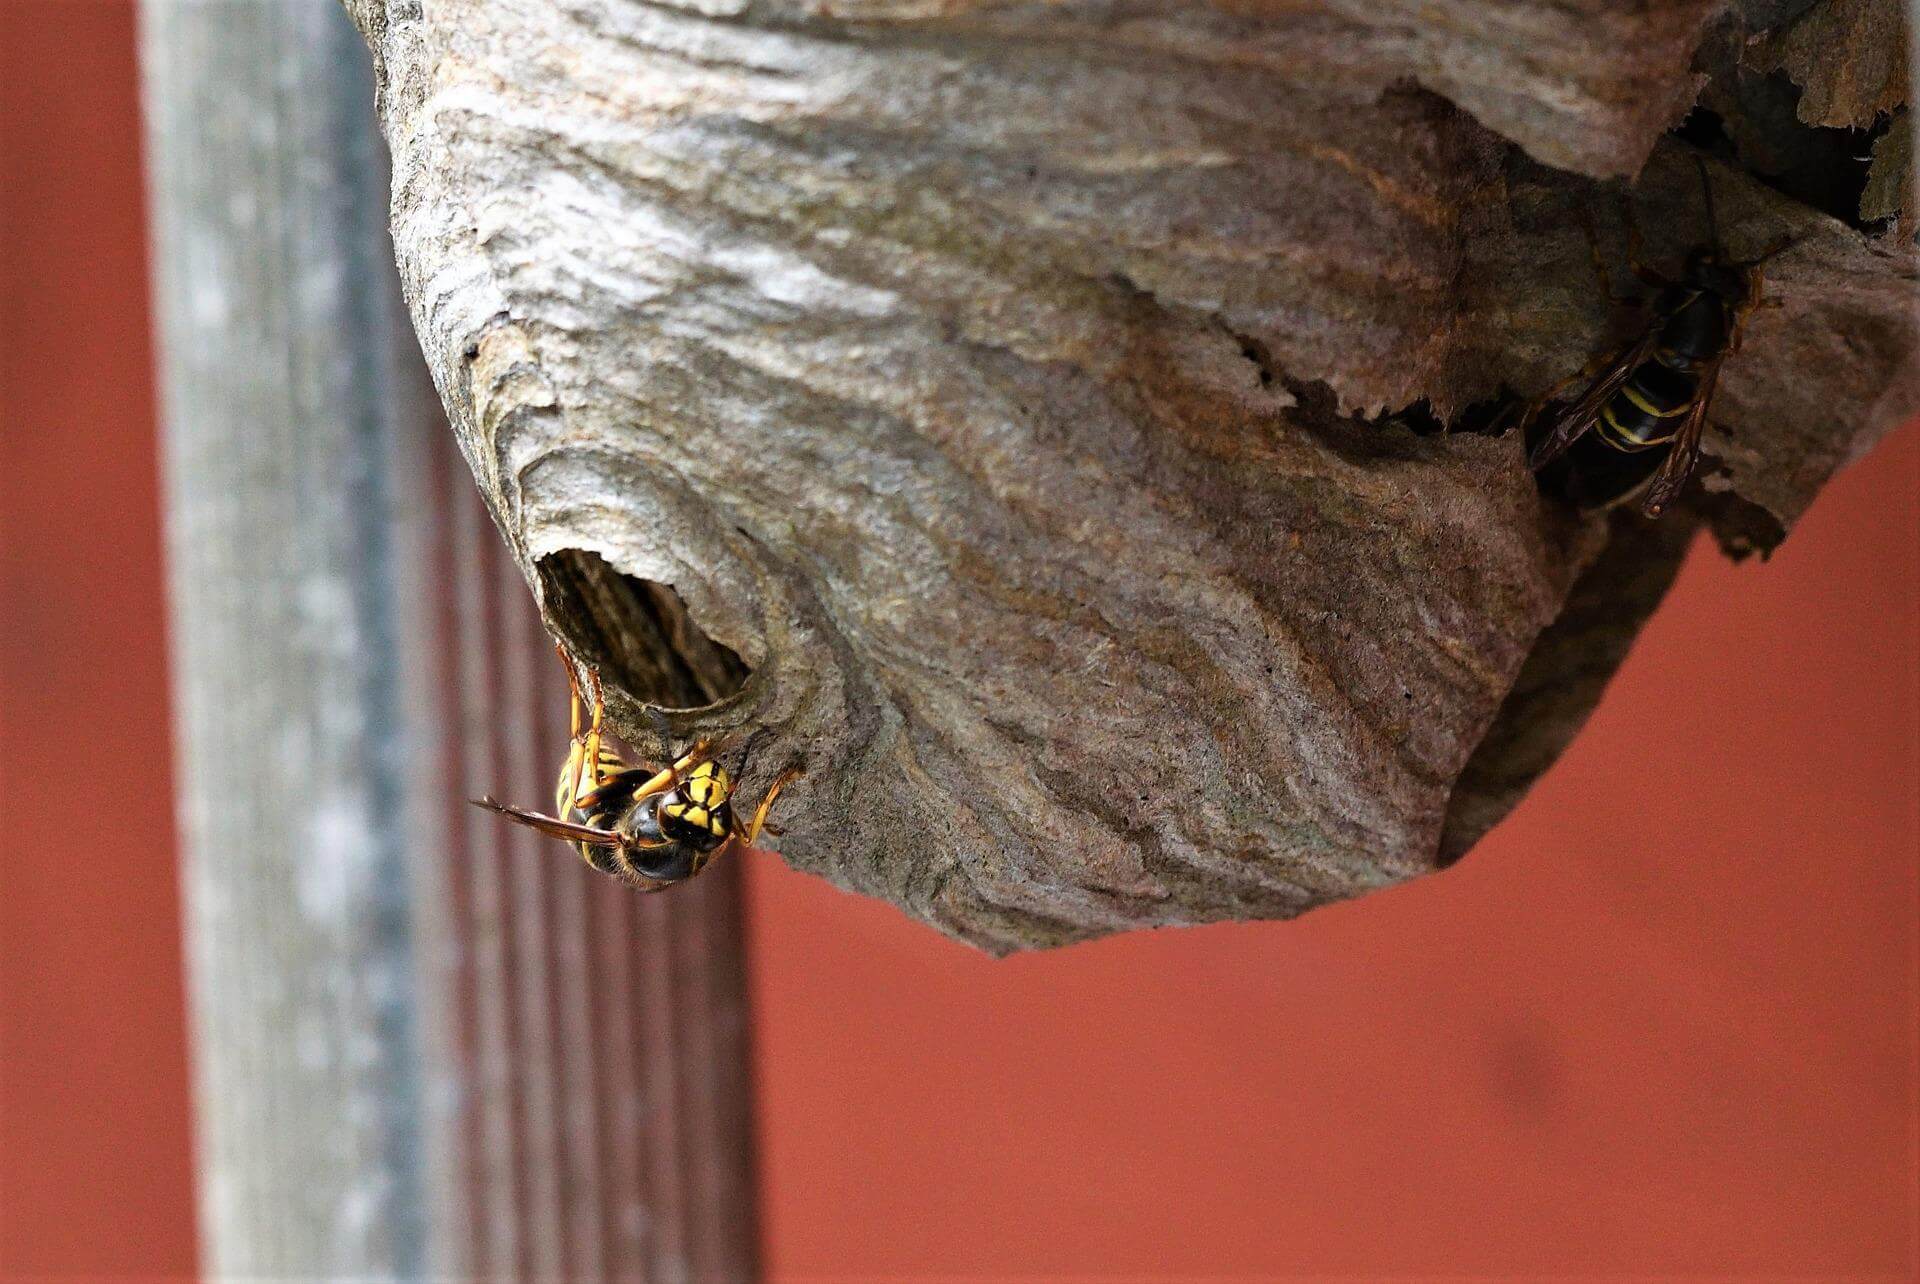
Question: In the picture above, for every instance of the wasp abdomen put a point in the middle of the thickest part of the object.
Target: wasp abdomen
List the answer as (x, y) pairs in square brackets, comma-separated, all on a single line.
[(1647, 410)]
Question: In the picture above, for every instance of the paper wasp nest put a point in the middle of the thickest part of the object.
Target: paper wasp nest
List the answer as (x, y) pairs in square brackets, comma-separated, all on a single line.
[(1029, 417)]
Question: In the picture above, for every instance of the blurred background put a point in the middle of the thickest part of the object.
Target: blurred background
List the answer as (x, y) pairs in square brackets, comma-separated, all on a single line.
[(1662, 1022)]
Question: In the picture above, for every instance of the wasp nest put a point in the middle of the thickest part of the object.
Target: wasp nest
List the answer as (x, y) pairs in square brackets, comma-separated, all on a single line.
[(1070, 431)]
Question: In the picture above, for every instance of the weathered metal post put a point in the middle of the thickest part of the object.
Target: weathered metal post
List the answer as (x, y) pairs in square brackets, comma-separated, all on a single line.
[(423, 1046)]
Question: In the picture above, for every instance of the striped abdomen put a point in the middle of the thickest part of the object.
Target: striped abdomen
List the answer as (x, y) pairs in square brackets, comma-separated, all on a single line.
[(608, 803), (1654, 401), (1650, 406)]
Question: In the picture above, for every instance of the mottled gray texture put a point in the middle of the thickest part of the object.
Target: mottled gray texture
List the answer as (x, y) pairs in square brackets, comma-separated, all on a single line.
[(1848, 56), (277, 370), (995, 380)]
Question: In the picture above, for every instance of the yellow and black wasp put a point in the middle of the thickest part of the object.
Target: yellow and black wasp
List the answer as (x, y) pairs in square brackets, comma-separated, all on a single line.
[(647, 828), (1635, 430)]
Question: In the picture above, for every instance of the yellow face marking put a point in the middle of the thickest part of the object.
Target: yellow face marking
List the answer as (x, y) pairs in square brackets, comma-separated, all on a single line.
[(692, 815), (706, 784)]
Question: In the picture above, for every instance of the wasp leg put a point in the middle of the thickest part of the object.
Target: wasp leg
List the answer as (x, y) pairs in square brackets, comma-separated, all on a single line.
[(759, 821), (1529, 410), (669, 776), (573, 687), (593, 729), (1520, 413), (1637, 248), (1600, 270), (1740, 324), (605, 768), (590, 765), (1757, 298), (570, 774), (1587, 371), (583, 755)]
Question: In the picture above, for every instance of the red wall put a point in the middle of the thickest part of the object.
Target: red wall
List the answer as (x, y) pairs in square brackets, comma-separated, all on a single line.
[(1669, 1028), (1662, 1021), (93, 1094)]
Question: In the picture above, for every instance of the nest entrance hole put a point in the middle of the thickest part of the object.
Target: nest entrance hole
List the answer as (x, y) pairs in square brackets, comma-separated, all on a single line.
[(639, 632)]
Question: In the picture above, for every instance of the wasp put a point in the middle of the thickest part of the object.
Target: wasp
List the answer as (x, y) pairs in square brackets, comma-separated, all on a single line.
[(648, 828), (1635, 430)]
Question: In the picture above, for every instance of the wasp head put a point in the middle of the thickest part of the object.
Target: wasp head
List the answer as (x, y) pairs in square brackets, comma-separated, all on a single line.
[(670, 836)]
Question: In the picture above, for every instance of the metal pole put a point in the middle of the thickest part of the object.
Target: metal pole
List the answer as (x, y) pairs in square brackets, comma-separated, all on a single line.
[(266, 203), (423, 1046)]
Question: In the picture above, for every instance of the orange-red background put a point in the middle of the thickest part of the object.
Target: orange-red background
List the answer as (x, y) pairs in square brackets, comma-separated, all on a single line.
[(1663, 1022)]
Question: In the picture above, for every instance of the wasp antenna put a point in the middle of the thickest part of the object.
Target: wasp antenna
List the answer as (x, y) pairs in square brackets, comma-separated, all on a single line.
[(1706, 190)]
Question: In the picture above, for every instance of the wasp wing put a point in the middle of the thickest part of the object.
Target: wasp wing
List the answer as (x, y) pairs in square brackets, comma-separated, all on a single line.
[(1678, 466), (1572, 423), (551, 826)]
